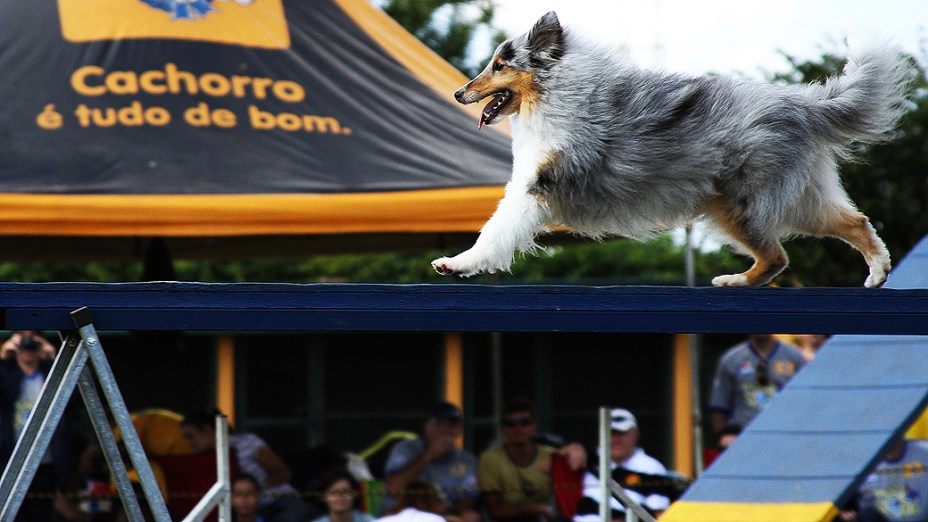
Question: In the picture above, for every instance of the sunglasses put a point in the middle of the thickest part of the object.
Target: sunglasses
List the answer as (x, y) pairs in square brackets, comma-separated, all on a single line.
[(763, 378), (512, 422)]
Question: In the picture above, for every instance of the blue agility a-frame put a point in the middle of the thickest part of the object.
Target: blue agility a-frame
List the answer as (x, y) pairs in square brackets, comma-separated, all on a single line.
[(807, 452)]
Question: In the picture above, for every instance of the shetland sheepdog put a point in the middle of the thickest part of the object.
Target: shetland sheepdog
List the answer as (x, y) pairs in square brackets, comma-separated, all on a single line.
[(609, 149)]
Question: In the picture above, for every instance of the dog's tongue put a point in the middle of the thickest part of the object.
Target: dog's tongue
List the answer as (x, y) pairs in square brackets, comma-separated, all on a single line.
[(484, 116), (488, 112)]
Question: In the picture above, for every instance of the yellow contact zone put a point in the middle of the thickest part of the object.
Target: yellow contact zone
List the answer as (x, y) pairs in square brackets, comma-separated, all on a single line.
[(738, 512)]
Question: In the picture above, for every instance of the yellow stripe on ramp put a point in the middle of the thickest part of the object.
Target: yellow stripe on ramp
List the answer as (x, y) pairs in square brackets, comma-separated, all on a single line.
[(736, 512)]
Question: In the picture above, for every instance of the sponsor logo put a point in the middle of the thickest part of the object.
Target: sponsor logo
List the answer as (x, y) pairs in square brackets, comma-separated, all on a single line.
[(249, 23)]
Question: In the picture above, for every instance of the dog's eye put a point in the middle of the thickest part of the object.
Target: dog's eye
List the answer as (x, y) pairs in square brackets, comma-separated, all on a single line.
[(498, 66)]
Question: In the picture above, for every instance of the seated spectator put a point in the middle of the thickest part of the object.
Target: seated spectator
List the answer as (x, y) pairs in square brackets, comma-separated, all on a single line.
[(420, 501), (897, 490), (340, 493), (279, 499), (436, 458), (246, 494), (641, 476), (515, 476)]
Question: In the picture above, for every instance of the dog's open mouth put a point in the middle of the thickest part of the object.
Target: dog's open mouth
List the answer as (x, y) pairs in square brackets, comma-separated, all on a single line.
[(491, 111)]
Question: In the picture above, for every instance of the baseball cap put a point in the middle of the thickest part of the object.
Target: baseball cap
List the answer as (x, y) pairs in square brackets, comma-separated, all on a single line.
[(444, 410), (623, 420)]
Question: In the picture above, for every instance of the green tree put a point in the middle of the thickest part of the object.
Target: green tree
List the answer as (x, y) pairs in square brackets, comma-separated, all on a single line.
[(449, 27), (889, 183)]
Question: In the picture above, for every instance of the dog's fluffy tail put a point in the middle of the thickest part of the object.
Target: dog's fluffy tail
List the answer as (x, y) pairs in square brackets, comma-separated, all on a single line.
[(866, 103)]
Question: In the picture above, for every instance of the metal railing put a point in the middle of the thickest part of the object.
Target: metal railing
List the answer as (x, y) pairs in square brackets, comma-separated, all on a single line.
[(633, 510), (71, 370)]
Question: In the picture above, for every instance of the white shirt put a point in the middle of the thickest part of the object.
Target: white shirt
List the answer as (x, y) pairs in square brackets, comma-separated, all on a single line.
[(412, 515), (639, 462)]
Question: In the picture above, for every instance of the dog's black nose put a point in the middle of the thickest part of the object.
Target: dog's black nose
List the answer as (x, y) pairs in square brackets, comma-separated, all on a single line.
[(458, 94)]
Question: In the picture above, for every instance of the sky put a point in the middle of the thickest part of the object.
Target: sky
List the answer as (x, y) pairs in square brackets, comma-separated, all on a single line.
[(728, 36)]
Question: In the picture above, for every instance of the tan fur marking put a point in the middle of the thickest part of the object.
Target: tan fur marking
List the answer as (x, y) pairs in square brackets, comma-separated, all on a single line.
[(543, 173), (854, 228), (769, 258), (528, 94), (520, 83)]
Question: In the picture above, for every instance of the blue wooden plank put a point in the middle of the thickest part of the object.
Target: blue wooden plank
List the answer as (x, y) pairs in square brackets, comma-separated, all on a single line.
[(333, 307), (868, 361), (837, 410), (798, 456), (762, 490), (911, 272)]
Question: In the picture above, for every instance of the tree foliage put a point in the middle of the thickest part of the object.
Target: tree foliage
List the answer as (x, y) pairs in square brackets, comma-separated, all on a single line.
[(448, 27)]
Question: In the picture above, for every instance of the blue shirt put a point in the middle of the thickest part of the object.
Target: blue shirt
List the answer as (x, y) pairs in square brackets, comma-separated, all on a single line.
[(898, 495), (455, 476)]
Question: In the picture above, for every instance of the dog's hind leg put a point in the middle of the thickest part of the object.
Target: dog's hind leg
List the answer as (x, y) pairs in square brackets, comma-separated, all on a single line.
[(851, 226), (769, 260), (769, 257)]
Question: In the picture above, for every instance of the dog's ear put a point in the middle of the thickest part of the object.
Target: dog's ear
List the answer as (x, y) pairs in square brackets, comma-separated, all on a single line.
[(546, 41)]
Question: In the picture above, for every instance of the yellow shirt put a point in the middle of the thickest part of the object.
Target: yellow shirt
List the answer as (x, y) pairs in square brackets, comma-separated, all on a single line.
[(517, 486)]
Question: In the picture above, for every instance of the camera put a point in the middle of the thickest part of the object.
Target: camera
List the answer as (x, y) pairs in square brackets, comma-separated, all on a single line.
[(28, 343)]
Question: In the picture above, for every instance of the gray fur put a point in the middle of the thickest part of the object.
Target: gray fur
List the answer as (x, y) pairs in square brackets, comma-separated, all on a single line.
[(631, 152), (642, 149)]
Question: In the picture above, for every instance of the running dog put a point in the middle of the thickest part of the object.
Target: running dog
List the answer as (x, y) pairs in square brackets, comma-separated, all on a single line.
[(609, 149)]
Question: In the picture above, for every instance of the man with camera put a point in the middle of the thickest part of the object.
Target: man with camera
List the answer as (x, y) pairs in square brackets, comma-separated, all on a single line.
[(25, 361)]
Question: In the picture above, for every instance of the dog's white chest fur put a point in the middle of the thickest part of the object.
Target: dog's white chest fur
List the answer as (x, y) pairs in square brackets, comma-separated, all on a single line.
[(530, 148)]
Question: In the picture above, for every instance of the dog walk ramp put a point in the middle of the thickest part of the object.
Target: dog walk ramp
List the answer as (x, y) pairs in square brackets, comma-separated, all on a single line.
[(808, 451)]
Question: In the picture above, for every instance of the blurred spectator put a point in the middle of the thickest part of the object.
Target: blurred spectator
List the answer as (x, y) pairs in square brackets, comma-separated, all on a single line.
[(808, 344), (436, 458), (420, 501), (897, 490), (340, 492), (515, 476), (643, 477), (25, 361), (189, 477), (246, 493), (279, 499), (747, 377), (91, 481)]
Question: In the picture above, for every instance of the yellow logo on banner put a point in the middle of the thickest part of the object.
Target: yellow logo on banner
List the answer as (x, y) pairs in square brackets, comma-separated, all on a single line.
[(252, 23)]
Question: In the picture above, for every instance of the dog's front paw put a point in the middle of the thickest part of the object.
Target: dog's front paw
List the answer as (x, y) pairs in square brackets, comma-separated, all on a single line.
[(730, 280), (876, 278), (448, 266)]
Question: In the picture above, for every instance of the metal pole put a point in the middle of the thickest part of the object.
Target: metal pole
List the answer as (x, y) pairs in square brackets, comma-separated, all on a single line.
[(698, 442), (108, 444), (690, 258), (633, 510), (695, 341), (605, 461), (219, 495), (84, 322), (496, 354), (222, 468)]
